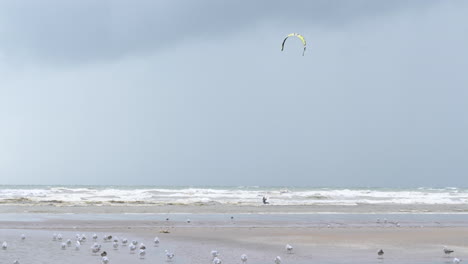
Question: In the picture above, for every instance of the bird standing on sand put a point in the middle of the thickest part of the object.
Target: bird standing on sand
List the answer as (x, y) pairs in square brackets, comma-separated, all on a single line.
[(115, 245), (277, 260), (59, 237), (456, 260), (69, 242), (289, 248), (103, 254), (16, 262), (380, 253), (94, 237), (169, 256), (214, 253), (156, 241), (105, 260), (54, 237), (4, 245), (216, 260), (124, 241), (63, 246), (448, 251), (244, 258), (77, 245), (142, 253), (23, 236), (132, 249), (95, 248)]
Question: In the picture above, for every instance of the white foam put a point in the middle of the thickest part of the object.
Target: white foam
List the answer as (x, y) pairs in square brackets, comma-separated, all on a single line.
[(238, 196)]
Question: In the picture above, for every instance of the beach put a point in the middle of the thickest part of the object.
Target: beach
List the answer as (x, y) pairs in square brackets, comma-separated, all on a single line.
[(324, 238), (322, 225)]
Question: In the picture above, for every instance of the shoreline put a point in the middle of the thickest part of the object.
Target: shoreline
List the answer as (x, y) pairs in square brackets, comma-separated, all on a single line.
[(237, 209)]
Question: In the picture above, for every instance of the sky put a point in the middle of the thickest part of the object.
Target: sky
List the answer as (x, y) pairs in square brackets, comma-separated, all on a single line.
[(198, 93)]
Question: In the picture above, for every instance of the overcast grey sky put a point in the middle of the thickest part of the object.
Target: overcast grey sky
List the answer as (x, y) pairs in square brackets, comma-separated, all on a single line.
[(199, 93)]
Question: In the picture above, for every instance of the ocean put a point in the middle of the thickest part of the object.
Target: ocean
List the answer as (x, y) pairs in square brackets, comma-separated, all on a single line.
[(156, 195)]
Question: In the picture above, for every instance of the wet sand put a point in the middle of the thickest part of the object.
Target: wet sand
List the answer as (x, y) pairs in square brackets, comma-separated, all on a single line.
[(344, 241), (231, 209)]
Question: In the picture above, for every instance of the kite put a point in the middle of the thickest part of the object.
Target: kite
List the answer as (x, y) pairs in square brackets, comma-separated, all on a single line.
[(295, 35)]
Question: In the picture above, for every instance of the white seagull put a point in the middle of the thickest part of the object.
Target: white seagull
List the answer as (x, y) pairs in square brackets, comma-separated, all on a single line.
[(156, 241), (94, 237), (244, 258), (124, 241), (277, 260), (289, 248), (23, 236), (105, 260), (63, 246), (16, 262), (456, 260), (115, 245), (77, 245), (142, 253), (216, 260), (169, 256), (4, 245), (132, 249), (59, 237), (69, 243), (214, 253), (54, 237)]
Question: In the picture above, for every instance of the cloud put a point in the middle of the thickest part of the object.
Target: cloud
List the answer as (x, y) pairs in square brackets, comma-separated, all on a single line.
[(69, 31)]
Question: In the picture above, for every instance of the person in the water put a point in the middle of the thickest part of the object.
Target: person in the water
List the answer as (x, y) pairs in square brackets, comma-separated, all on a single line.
[(265, 200)]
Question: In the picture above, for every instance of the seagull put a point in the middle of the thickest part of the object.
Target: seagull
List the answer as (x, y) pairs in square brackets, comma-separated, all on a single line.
[(4, 245), (447, 251), (124, 241), (69, 242), (83, 238), (277, 260), (169, 256), (214, 254), (244, 258), (77, 245), (132, 249), (188, 221), (216, 260), (23, 237), (380, 253), (95, 248), (94, 237), (142, 253), (59, 237), (105, 260), (63, 246), (115, 245), (456, 260), (16, 262), (289, 248), (103, 254), (134, 242), (142, 246), (54, 237), (156, 241)]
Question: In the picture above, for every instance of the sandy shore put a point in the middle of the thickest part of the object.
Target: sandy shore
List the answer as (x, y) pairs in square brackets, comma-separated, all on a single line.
[(231, 209), (192, 242)]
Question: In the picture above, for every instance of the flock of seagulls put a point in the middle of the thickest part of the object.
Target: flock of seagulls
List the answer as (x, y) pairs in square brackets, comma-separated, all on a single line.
[(135, 247)]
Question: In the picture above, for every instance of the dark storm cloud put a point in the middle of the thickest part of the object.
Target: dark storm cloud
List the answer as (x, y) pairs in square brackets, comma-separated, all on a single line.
[(71, 31)]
